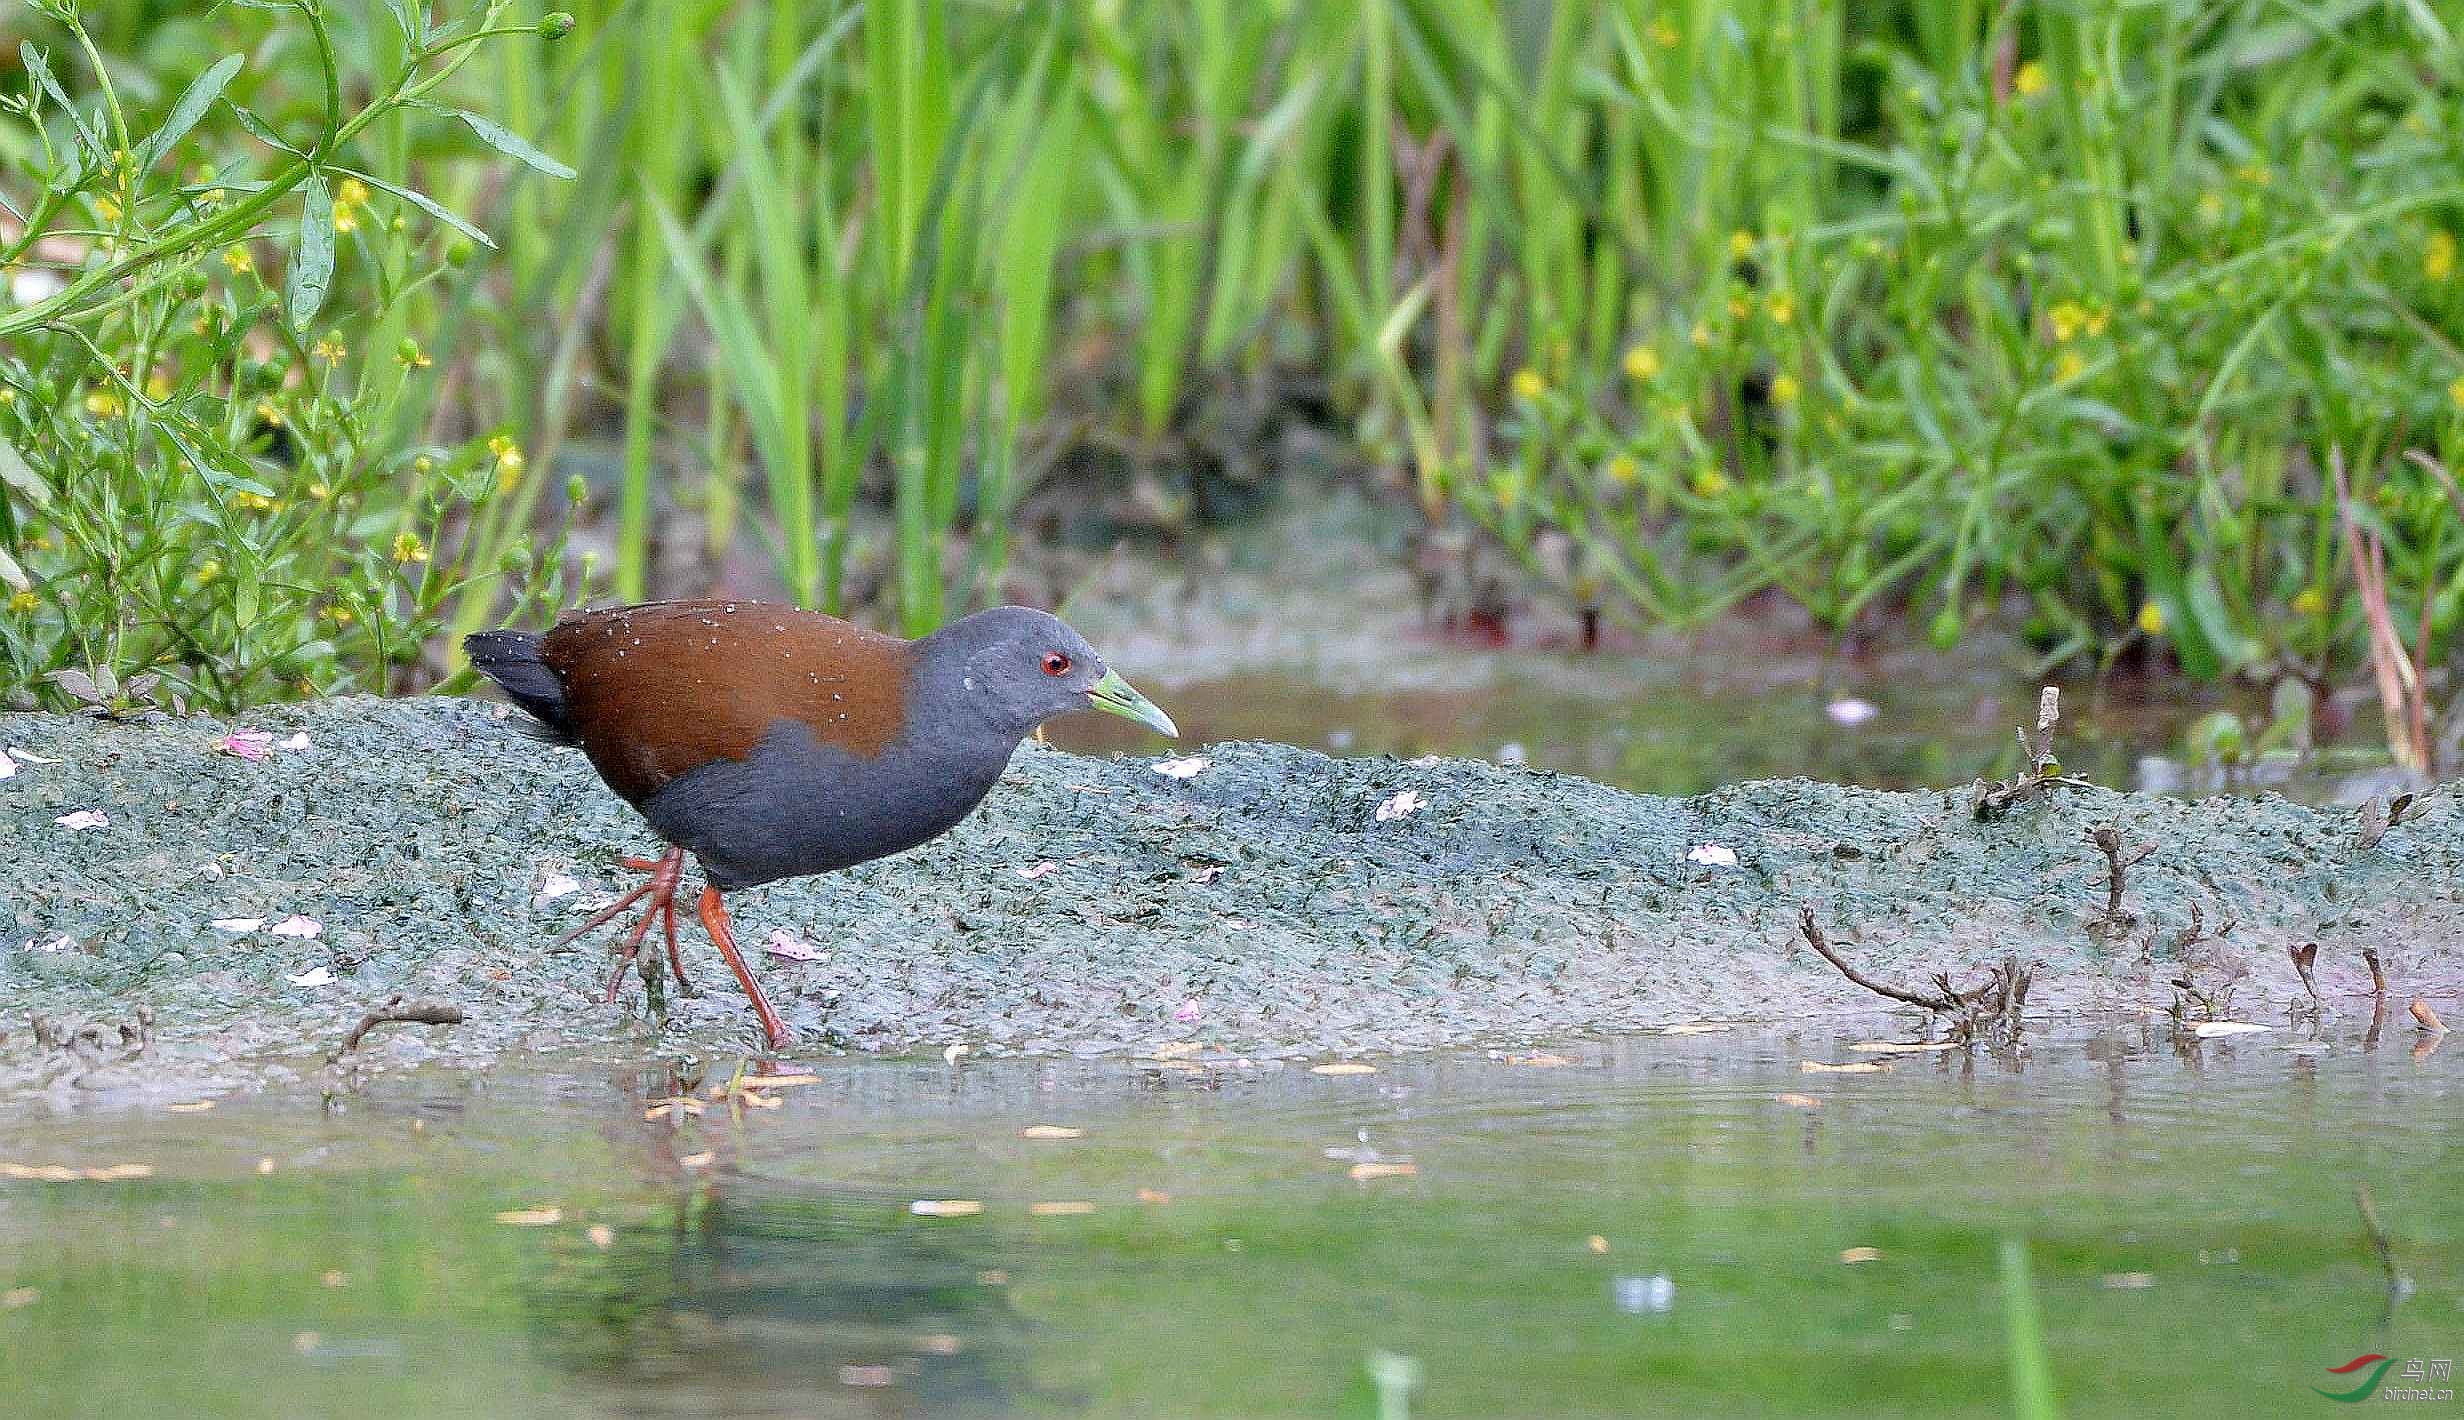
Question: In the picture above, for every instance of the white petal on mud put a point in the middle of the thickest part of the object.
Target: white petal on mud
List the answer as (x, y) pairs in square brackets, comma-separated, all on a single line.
[(1186, 1013), (1849, 710), (297, 741), (554, 886), (790, 947), (83, 820), (237, 924), (1031, 874), (1186, 768), (1402, 805), (56, 944), (2209, 1030), (313, 976), (301, 927), (8, 767), (1713, 855), (27, 756)]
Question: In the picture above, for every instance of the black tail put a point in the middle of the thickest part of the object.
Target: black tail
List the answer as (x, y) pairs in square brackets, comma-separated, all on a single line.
[(511, 659)]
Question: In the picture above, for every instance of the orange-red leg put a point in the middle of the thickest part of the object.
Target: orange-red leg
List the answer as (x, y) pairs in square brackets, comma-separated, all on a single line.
[(665, 871), (723, 936)]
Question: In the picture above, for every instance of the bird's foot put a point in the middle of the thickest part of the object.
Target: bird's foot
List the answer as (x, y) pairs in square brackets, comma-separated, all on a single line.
[(665, 871), (723, 936)]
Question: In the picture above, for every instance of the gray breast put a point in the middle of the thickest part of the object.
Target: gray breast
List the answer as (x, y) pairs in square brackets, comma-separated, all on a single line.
[(796, 806)]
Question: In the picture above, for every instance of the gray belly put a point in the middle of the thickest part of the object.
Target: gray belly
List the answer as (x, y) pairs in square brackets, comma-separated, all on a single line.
[(796, 806)]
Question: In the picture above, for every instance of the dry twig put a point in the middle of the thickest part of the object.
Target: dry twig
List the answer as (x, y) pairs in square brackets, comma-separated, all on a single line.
[(1992, 799), (425, 1013), (2403, 701), (1993, 1004)]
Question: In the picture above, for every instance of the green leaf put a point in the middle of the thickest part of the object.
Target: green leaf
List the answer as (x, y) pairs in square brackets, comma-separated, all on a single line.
[(18, 474), (312, 265), (513, 145), (40, 68), (424, 203), (262, 131), (199, 97)]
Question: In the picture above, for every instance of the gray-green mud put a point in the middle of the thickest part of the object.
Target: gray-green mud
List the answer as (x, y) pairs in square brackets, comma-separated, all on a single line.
[(1259, 905)]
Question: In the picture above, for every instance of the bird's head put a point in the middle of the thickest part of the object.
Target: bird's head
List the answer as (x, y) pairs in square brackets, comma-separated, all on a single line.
[(1014, 667)]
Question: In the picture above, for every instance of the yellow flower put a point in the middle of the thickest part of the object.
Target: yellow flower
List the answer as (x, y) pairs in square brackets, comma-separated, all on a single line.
[(1529, 385), (1741, 243), (2151, 618), (2309, 601), (1701, 335), (2211, 207), (2254, 173), (1623, 469), (2066, 318), (410, 357), (2069, 367), (267, 412), (409, 549), (107, 209), (2030, 80), (2455, 391), (2097, 320), (320, 491), (158, 386), (423, 464), (353, 192), (345, 220), (8, 395), (329, 350), (104, 404), (2438, 256), (1642, 362), (1709, 482), (238, 259), (207, 571), (24, 603), (1738, 309), (1781, 309), (1784, 389), (1663, 33)]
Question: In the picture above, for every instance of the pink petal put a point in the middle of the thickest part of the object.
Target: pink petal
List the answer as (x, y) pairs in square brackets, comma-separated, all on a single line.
[(787, 945), (1186, 1012), (298, 927), (251, 745)]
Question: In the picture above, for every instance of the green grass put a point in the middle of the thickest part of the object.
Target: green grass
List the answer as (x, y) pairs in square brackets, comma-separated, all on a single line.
[(2046, 313)]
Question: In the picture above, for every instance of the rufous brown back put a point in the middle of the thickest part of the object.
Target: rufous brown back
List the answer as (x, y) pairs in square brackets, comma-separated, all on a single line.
[(659, 690)]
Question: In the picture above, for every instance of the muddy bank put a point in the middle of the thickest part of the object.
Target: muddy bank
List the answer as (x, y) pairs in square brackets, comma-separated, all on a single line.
[(1261, 904)]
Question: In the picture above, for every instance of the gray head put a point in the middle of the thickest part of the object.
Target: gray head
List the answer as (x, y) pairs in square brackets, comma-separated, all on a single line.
[(1009, 669)]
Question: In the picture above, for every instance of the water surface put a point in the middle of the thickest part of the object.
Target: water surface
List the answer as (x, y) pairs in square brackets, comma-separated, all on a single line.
[(1659, 1225)]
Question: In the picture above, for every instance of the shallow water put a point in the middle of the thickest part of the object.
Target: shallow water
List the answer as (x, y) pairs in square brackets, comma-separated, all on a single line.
[(1653, 1226)]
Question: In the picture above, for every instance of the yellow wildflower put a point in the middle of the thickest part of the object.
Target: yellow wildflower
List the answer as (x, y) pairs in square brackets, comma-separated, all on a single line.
[(409, 549), (1741, 243), (2211, 207), (24, 603), (423, 464), (1529, 385), (2030, 80), (1784, 390), (158, 386), (345, 219), (8, 395), (207, 571), (2066, 318), (2151, 618), (353, 192), (1663, 33), (2309, 601), (104, 403), (238, 259), (1738, 309), (2254, 173), (2098, 318), (2438, 255), (1781, 310), (1642, 362), (329, 350), (1701, 335), (2455, 391), (267, 412), (2069, 367), (1709, 482), (320, 490), (1623, 469), (107, 209)]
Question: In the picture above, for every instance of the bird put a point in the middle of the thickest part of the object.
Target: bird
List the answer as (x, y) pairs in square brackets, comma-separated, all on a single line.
[(770, 742)]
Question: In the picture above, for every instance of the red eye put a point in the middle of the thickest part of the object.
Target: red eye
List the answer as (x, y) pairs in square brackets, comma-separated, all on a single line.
[(1055, 663)]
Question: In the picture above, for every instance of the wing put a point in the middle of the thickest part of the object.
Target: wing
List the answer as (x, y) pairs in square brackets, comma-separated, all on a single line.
[(656, 691)]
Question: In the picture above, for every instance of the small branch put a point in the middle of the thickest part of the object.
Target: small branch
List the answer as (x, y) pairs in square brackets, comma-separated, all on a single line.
[(2304, 957), (1822, 948), (1994, 798), (2378, 973), (395, 1011)]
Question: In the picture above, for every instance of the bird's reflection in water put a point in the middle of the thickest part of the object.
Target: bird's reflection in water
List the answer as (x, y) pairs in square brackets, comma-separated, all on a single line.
[(747, 1298)]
